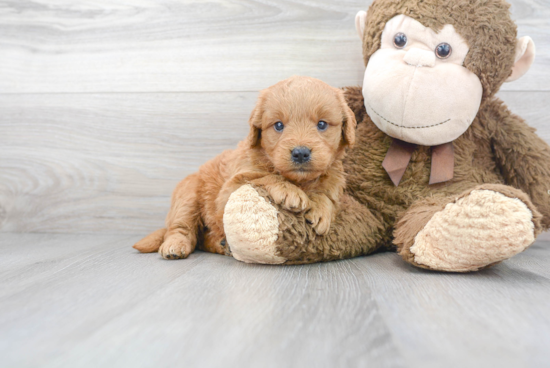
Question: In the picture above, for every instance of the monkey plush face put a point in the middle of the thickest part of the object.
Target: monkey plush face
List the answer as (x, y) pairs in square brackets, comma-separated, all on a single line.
[(431, 64), (416, 88)]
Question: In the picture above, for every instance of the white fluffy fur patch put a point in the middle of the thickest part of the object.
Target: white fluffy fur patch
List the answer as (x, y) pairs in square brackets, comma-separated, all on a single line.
[(482, 228), (251, 227)]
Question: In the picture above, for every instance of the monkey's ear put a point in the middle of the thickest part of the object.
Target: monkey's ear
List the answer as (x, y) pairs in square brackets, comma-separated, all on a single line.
[(360, 19), (525, 55), (349, 124), (255, 121)]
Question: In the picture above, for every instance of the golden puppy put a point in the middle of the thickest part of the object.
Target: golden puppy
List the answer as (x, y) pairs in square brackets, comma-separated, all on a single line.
[(299, 130)]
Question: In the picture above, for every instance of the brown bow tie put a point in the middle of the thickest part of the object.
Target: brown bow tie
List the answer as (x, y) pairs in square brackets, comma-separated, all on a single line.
[(398, 157)]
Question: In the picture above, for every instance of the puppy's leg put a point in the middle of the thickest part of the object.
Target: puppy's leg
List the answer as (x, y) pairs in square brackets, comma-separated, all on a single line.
[(214, 196), (232, 185), (321, 213), (324, 199), (288, 195), (183, 219)]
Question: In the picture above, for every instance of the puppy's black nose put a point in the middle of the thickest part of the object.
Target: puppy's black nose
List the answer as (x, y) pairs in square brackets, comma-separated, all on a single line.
[(301, 155)]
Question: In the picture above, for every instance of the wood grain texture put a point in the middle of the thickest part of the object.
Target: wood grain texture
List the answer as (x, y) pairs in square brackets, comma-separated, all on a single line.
[(109, 162), (534, 108), (193, 45), (89, 301)]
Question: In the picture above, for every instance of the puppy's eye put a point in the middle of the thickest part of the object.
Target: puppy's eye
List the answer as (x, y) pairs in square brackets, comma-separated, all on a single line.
[(322, 126), (279, 126), (443, 50), (400, 40)]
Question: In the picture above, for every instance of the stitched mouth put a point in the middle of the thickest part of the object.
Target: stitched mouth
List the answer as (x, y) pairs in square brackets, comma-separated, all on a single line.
[(407, 127)]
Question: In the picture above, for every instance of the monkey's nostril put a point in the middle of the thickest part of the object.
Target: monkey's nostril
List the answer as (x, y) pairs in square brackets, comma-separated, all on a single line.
[(301, 155)]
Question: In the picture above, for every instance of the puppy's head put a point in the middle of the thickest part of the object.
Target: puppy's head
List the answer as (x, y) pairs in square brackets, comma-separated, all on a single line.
[(302, 125)]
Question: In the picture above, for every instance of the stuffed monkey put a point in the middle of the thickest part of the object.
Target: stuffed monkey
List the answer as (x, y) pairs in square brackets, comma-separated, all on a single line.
[(441, 171)]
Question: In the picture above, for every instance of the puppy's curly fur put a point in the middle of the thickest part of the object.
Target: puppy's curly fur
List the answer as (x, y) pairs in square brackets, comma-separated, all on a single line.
[(265, 159)]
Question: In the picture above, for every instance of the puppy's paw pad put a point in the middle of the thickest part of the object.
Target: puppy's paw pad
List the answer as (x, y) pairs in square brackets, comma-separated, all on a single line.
[(323, 226), (290, 197), (319, 220), (176, 247), (296, 201)]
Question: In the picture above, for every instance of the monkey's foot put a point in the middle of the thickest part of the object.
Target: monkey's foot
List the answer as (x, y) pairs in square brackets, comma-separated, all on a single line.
[(251, 227), (479, 229)]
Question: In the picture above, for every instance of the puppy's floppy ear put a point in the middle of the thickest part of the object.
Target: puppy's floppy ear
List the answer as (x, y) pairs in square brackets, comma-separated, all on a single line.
[(255, 121), (349, 123)]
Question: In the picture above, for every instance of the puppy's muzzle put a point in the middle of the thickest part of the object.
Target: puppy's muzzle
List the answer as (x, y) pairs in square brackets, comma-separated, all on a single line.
[(301, 155)]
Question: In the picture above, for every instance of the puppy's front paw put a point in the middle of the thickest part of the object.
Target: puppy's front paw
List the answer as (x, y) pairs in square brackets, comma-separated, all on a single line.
[(176, 246), (289, 196), (320, 219)]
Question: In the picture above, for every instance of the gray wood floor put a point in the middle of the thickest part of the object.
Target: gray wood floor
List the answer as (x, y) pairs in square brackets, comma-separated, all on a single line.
[(106, 105), (92, 301)]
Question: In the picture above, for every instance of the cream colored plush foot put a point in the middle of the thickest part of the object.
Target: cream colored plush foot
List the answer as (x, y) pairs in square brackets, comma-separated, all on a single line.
[(480, 229), (251, 227)]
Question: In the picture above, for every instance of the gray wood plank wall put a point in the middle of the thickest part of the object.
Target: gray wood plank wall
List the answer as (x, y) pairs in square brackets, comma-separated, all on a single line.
[(105, 106)]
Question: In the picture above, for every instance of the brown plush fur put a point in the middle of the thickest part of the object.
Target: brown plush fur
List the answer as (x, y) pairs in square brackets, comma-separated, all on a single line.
[(498, 148), (355, 231), (264, 159), (482, 156)]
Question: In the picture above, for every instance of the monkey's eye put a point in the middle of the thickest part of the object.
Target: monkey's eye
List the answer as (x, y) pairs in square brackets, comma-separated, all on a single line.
[(400, 40), (279, 126), (322, 126), (443, 50)]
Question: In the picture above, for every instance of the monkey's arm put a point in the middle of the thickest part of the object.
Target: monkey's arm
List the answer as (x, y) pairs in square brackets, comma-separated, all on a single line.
[(354, 98), (522, 156)]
